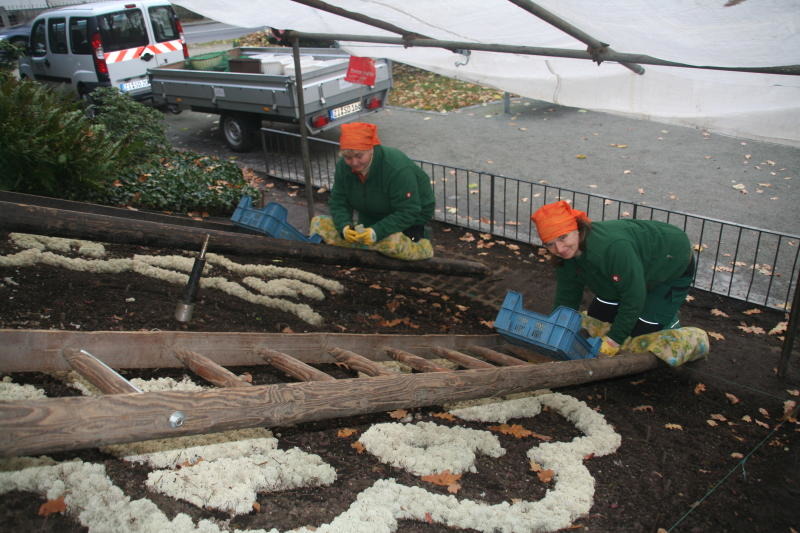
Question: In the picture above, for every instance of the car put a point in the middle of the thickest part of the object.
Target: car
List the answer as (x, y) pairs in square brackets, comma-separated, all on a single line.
[(17, 35)]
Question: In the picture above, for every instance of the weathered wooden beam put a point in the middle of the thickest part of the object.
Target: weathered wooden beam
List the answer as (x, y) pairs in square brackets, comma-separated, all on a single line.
[(45, 426), (529, 355), (25, 350), (293, 367), (98, 373), (496, 357), (209, 370), (56, 222), (467, 361), (359, 363), (416, 362)]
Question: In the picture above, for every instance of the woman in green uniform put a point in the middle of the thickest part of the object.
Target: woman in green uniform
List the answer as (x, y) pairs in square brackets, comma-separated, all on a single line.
[(390, 195), (639, 270)]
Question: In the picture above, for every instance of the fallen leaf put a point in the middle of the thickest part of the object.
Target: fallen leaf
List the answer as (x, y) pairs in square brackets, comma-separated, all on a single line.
[(717, 312), (719, 417), (755, 330), (257, 507), (580, 156), (753, 311), (444, 479), (793, 392), (346, 432), (545, 476), (715, 335), (428, 518), (762, 424), (467, 237), (515, 430), (52, 506), (700, 388), (674, 426), (731, 398), (747, 418), (358, 446), (788, 409), (780, 328), (246, 376), (445, 416), (398, 414), (648, 408), (763, 412), (737, 455), (711, 423)]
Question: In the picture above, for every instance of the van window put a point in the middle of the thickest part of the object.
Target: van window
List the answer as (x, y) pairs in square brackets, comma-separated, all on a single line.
[(39, 39), (79, 35), (57, 28), (122, 30), (163, 21)]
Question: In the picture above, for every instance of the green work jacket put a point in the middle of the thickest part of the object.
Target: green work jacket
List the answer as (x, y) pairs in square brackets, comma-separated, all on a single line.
[(396, 195), (622, 260)]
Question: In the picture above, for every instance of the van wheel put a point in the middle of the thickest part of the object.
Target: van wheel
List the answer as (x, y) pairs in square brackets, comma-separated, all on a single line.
[(239, 131)]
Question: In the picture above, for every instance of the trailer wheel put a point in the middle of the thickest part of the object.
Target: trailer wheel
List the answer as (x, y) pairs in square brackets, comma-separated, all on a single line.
[(239, 131)]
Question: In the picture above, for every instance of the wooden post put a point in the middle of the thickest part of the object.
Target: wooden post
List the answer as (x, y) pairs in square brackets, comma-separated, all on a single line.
[(98, 373), (35, 427), (359, 363), (209, 370), (497, 357), (467, 361), (415, 362), (293, 367)]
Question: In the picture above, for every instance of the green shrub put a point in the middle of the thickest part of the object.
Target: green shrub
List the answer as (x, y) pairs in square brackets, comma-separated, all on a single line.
[(9, 53), (183, 182), (140, 127), (49, 147)]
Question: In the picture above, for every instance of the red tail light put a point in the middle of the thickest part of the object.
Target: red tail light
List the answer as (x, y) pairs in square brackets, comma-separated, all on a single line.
[(374, 102), (98, 55), (319, 121), (179, 26)]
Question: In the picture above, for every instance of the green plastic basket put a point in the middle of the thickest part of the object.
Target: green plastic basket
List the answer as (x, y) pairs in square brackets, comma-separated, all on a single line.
[(211, 61)]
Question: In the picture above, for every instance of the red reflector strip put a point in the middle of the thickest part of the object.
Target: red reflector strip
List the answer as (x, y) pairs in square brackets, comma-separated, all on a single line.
[(134, 53)]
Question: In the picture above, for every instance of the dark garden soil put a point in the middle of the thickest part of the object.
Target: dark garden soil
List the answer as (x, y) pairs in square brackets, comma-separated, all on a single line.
[(703, 446)]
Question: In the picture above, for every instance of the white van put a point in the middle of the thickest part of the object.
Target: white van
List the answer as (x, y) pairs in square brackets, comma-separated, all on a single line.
[(112, 44)]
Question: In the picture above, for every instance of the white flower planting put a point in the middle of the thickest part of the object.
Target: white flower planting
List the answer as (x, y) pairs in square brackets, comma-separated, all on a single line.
[(427, 448), (231, 485), (171, 268), (11, 392)]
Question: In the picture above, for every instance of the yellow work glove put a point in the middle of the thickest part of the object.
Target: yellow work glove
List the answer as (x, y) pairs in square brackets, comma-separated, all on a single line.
[(350, 235), (367, 237), (609, 347)]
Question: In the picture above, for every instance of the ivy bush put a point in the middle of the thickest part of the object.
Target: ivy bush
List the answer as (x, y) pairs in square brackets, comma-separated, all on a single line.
[(182, 182)]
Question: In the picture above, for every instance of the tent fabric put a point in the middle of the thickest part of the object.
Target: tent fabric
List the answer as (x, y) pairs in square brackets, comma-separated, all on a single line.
[(726, 33)]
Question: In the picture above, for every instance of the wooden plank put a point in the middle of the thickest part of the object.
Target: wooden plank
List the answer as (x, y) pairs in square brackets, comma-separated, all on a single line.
[(359, 363), (293, 367), (23, 350), (58, 424), (56, 222), (496, 357), (98, 373), (417, 363), (209, 370), (467, 361)]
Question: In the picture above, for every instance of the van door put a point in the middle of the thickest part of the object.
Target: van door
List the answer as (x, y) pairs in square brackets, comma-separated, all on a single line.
[(124, 39), (40, 64)]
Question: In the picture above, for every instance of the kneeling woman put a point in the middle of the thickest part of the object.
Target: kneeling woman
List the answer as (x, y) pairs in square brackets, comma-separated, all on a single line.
[(639, 270), (390, 196)]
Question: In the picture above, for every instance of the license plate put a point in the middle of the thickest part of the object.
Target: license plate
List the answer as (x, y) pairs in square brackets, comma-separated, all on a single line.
[(345, 110), (143, 83)]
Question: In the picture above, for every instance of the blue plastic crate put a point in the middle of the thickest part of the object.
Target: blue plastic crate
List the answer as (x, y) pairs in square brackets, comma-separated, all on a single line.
[(270, 219), (557, 335)]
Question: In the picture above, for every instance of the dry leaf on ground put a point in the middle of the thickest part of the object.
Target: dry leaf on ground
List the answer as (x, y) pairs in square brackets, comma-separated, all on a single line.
[(52, 506), (346, 432)]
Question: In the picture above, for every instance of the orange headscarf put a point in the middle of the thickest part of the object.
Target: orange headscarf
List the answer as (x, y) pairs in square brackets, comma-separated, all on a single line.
[(358, 136), (556, 219)]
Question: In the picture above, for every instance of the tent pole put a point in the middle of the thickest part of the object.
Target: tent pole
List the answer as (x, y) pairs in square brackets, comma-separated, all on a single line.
[(301, 114), (618, 57), (597, 49)]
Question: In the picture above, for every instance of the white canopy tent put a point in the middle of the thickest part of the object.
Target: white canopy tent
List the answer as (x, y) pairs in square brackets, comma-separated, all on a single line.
[(720, 33)]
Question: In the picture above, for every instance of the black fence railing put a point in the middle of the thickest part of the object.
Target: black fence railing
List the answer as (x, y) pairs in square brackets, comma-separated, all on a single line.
[(742, 262)]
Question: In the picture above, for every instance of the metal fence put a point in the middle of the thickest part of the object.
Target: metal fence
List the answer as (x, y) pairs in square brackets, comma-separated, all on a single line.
[(741, 262)]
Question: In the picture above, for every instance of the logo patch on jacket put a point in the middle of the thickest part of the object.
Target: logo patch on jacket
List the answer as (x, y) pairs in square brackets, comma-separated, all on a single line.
[(616, 278)]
